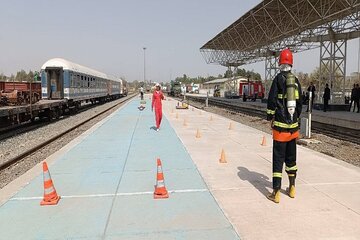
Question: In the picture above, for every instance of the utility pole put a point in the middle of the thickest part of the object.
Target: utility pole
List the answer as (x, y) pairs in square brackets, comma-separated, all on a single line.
[(144, 48)]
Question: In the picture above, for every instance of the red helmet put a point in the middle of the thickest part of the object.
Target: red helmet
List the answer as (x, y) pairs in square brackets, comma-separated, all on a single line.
[(286, 57)]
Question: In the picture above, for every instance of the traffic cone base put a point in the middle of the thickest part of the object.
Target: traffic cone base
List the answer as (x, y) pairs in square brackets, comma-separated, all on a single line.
[(161, 195), (51, 202)]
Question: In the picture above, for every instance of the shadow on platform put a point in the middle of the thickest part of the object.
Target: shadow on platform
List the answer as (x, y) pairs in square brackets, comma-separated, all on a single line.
[(153, 128), (258, 180)]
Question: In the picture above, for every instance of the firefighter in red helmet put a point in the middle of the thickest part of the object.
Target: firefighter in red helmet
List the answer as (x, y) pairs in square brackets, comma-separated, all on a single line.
[(283, 110)]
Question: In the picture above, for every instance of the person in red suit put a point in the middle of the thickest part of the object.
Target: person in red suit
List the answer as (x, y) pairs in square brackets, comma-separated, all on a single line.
[(156, 103)]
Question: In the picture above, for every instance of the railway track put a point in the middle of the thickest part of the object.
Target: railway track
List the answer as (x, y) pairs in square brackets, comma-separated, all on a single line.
[(340, 133), (10, 131), (32, 150)]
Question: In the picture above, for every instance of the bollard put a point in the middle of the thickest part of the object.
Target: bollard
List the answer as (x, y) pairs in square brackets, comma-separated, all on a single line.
[(207, 100), (310, 110)]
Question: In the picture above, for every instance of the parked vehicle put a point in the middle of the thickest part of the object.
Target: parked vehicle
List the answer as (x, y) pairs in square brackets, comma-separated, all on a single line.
[(252, 90), (175, 89)]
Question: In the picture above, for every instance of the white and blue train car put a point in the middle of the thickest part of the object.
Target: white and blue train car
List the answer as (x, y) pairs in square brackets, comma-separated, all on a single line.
[(62, 79)]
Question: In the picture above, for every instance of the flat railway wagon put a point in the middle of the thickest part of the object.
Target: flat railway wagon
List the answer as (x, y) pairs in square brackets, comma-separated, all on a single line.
[(18, 93), (64, 86)]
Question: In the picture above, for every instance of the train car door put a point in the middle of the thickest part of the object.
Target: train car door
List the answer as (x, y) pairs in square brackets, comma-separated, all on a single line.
[(251, 89), (55, 83)]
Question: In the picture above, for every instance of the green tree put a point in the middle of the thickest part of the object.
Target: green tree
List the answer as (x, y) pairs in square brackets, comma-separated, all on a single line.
[(21, 76), (228, 73), (30, 76), (2, 77)]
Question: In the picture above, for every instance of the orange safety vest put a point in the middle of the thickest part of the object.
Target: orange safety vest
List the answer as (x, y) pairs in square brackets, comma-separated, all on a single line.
[(284, 136)]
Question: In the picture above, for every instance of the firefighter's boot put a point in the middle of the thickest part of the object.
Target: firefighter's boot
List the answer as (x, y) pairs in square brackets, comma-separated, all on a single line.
[(274, 196), (291, 189)]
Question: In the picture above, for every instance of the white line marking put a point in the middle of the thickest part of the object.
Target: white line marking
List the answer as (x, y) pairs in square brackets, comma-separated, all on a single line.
[(330, 183), (298, 184), (109, 194)]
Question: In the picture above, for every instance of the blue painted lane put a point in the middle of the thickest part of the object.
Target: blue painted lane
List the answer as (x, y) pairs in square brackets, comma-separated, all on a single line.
[(107, 182)]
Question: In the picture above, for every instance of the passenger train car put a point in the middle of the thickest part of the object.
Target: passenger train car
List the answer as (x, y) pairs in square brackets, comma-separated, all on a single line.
[(64, 87), (62, 79)]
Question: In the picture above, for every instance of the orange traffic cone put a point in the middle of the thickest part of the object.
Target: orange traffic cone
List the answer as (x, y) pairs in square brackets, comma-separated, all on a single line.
[(184, 124), (231, 126), (263, 142), (50, 195), (160, 189), (222, 157), (211, 118), (177, 115), (198, 135)]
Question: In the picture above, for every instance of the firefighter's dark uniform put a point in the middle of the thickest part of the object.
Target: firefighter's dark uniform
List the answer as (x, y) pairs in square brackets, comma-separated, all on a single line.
[(285, 130)]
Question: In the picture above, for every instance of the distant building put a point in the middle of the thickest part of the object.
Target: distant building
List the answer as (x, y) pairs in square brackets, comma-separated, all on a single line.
[(226, 86)]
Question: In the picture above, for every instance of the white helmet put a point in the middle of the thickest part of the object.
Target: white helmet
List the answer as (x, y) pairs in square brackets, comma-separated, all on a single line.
[(157, 85)]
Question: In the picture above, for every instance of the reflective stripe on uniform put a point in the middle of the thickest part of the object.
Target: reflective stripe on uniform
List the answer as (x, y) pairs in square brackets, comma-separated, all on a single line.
[(281, 96), (285, 125), (269, 111), (277, 174), (293, 168)]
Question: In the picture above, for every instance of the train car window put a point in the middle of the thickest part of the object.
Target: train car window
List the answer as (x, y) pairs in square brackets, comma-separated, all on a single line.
[(88, 82), (71, 79)]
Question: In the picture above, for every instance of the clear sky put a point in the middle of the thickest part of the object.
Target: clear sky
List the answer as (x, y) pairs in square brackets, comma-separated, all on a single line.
[(109, 36)]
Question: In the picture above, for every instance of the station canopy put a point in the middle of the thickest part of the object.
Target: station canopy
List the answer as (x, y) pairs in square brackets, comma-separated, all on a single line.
[(277, 24)]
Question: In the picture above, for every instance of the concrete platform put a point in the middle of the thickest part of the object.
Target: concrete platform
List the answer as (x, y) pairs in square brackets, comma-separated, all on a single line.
[(327, 205), (106, 180), (337, 118)]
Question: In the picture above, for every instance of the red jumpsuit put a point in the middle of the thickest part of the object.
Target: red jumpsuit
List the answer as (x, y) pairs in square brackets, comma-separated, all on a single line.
[(156, 103)]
